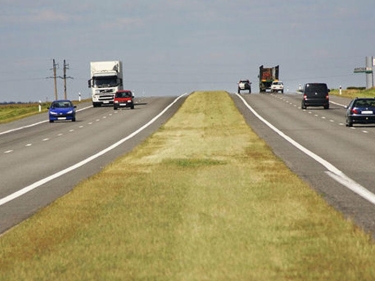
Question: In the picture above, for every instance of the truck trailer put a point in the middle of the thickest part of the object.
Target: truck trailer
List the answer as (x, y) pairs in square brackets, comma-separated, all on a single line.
[(105, 80), (266, 76)]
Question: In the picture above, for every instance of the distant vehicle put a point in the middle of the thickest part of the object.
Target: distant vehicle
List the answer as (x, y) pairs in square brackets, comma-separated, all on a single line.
[(105, 81), (360, 111), (277, 86), (266, 76), (244, 85), (62, 110), (123, 98), (315, 94)]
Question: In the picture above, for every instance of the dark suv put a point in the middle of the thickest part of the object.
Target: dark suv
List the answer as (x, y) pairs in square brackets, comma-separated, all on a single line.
[(315, 94)]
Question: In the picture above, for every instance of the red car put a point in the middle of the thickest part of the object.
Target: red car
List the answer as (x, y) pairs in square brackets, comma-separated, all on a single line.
[(123, 98)]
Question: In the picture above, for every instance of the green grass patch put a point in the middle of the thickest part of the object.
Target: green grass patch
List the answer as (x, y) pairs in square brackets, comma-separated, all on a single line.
[(202, 199), (353, 93), (14, 112)]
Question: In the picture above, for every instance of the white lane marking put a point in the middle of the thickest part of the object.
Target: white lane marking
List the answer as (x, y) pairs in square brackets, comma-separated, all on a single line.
[(35, 124), (8, 151), (29, 144), (336, 103), (46, 139), (85, 161), (333, 172)]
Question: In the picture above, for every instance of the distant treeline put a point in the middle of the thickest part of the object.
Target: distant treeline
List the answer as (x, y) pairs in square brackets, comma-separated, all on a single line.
[(356, 88), (18, 102)]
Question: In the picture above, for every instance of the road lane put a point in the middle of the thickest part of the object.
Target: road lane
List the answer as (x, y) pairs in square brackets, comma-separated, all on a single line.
[(324, 133), (44, 150)]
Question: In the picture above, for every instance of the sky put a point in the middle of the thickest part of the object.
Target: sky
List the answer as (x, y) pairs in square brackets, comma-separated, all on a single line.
[(171, 47)]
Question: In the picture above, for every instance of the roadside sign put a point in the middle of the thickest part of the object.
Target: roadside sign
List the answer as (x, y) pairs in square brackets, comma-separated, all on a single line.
[(363, 70)]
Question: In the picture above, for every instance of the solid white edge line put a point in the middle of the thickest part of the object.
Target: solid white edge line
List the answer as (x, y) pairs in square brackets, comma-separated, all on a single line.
[(333, 172), (85, 161)]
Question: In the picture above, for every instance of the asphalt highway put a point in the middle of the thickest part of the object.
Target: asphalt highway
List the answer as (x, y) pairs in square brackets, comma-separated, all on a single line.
[(51, 158), (338, 161), (42, 161)]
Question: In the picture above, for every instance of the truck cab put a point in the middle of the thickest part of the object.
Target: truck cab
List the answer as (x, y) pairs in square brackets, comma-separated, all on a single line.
[(105, 81)]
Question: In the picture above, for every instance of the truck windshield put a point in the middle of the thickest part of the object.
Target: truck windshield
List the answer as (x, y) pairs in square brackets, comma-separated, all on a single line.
[(106, 81)]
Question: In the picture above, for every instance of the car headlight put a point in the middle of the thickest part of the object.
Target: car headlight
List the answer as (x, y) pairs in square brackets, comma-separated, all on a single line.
[(70, 112), (52, 113), (116, 101)]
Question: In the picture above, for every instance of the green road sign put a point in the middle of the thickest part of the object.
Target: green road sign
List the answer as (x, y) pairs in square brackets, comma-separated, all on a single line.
[(363, 70)]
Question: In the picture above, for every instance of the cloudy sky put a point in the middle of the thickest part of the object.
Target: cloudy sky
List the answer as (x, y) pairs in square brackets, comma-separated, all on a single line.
[(169, 47)]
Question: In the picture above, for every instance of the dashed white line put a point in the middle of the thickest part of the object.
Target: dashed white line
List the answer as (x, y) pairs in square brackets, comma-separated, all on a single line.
[(8, 151), (85, 161)]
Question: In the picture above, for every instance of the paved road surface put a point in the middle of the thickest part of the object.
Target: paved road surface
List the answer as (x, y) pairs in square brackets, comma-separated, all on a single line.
[(323, 132), (34, 153)]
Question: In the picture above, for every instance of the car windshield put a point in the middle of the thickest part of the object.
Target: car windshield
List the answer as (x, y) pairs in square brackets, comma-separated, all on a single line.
[(365, 103), (123, 95), (61, 104)]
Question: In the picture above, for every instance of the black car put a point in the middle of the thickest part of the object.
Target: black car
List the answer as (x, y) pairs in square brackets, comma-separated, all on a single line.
[(244, 85), (315, 94), (360, 111)]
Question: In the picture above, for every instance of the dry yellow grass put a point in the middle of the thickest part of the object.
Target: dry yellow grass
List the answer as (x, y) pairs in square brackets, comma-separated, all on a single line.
[(202, 199)]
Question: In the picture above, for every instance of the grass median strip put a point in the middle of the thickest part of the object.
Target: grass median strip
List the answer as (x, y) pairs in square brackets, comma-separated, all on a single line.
[(202, 199)]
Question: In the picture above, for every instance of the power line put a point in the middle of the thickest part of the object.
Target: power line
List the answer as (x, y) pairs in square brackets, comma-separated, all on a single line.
[(64, 77)]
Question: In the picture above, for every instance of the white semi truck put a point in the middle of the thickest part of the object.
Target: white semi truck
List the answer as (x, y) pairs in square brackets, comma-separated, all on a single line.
[(106, 80)]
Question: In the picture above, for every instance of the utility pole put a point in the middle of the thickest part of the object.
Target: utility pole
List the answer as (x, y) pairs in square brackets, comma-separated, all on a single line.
[(54, 78), (66, 66)]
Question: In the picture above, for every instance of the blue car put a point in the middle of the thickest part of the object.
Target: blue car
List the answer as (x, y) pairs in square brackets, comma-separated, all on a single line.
[(62, 110)]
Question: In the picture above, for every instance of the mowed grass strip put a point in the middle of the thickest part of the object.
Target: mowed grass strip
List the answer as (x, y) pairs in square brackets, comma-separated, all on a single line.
[(202, 199)]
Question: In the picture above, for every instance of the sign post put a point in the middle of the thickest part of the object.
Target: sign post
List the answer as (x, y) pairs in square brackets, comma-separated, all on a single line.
[(368, 70)]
